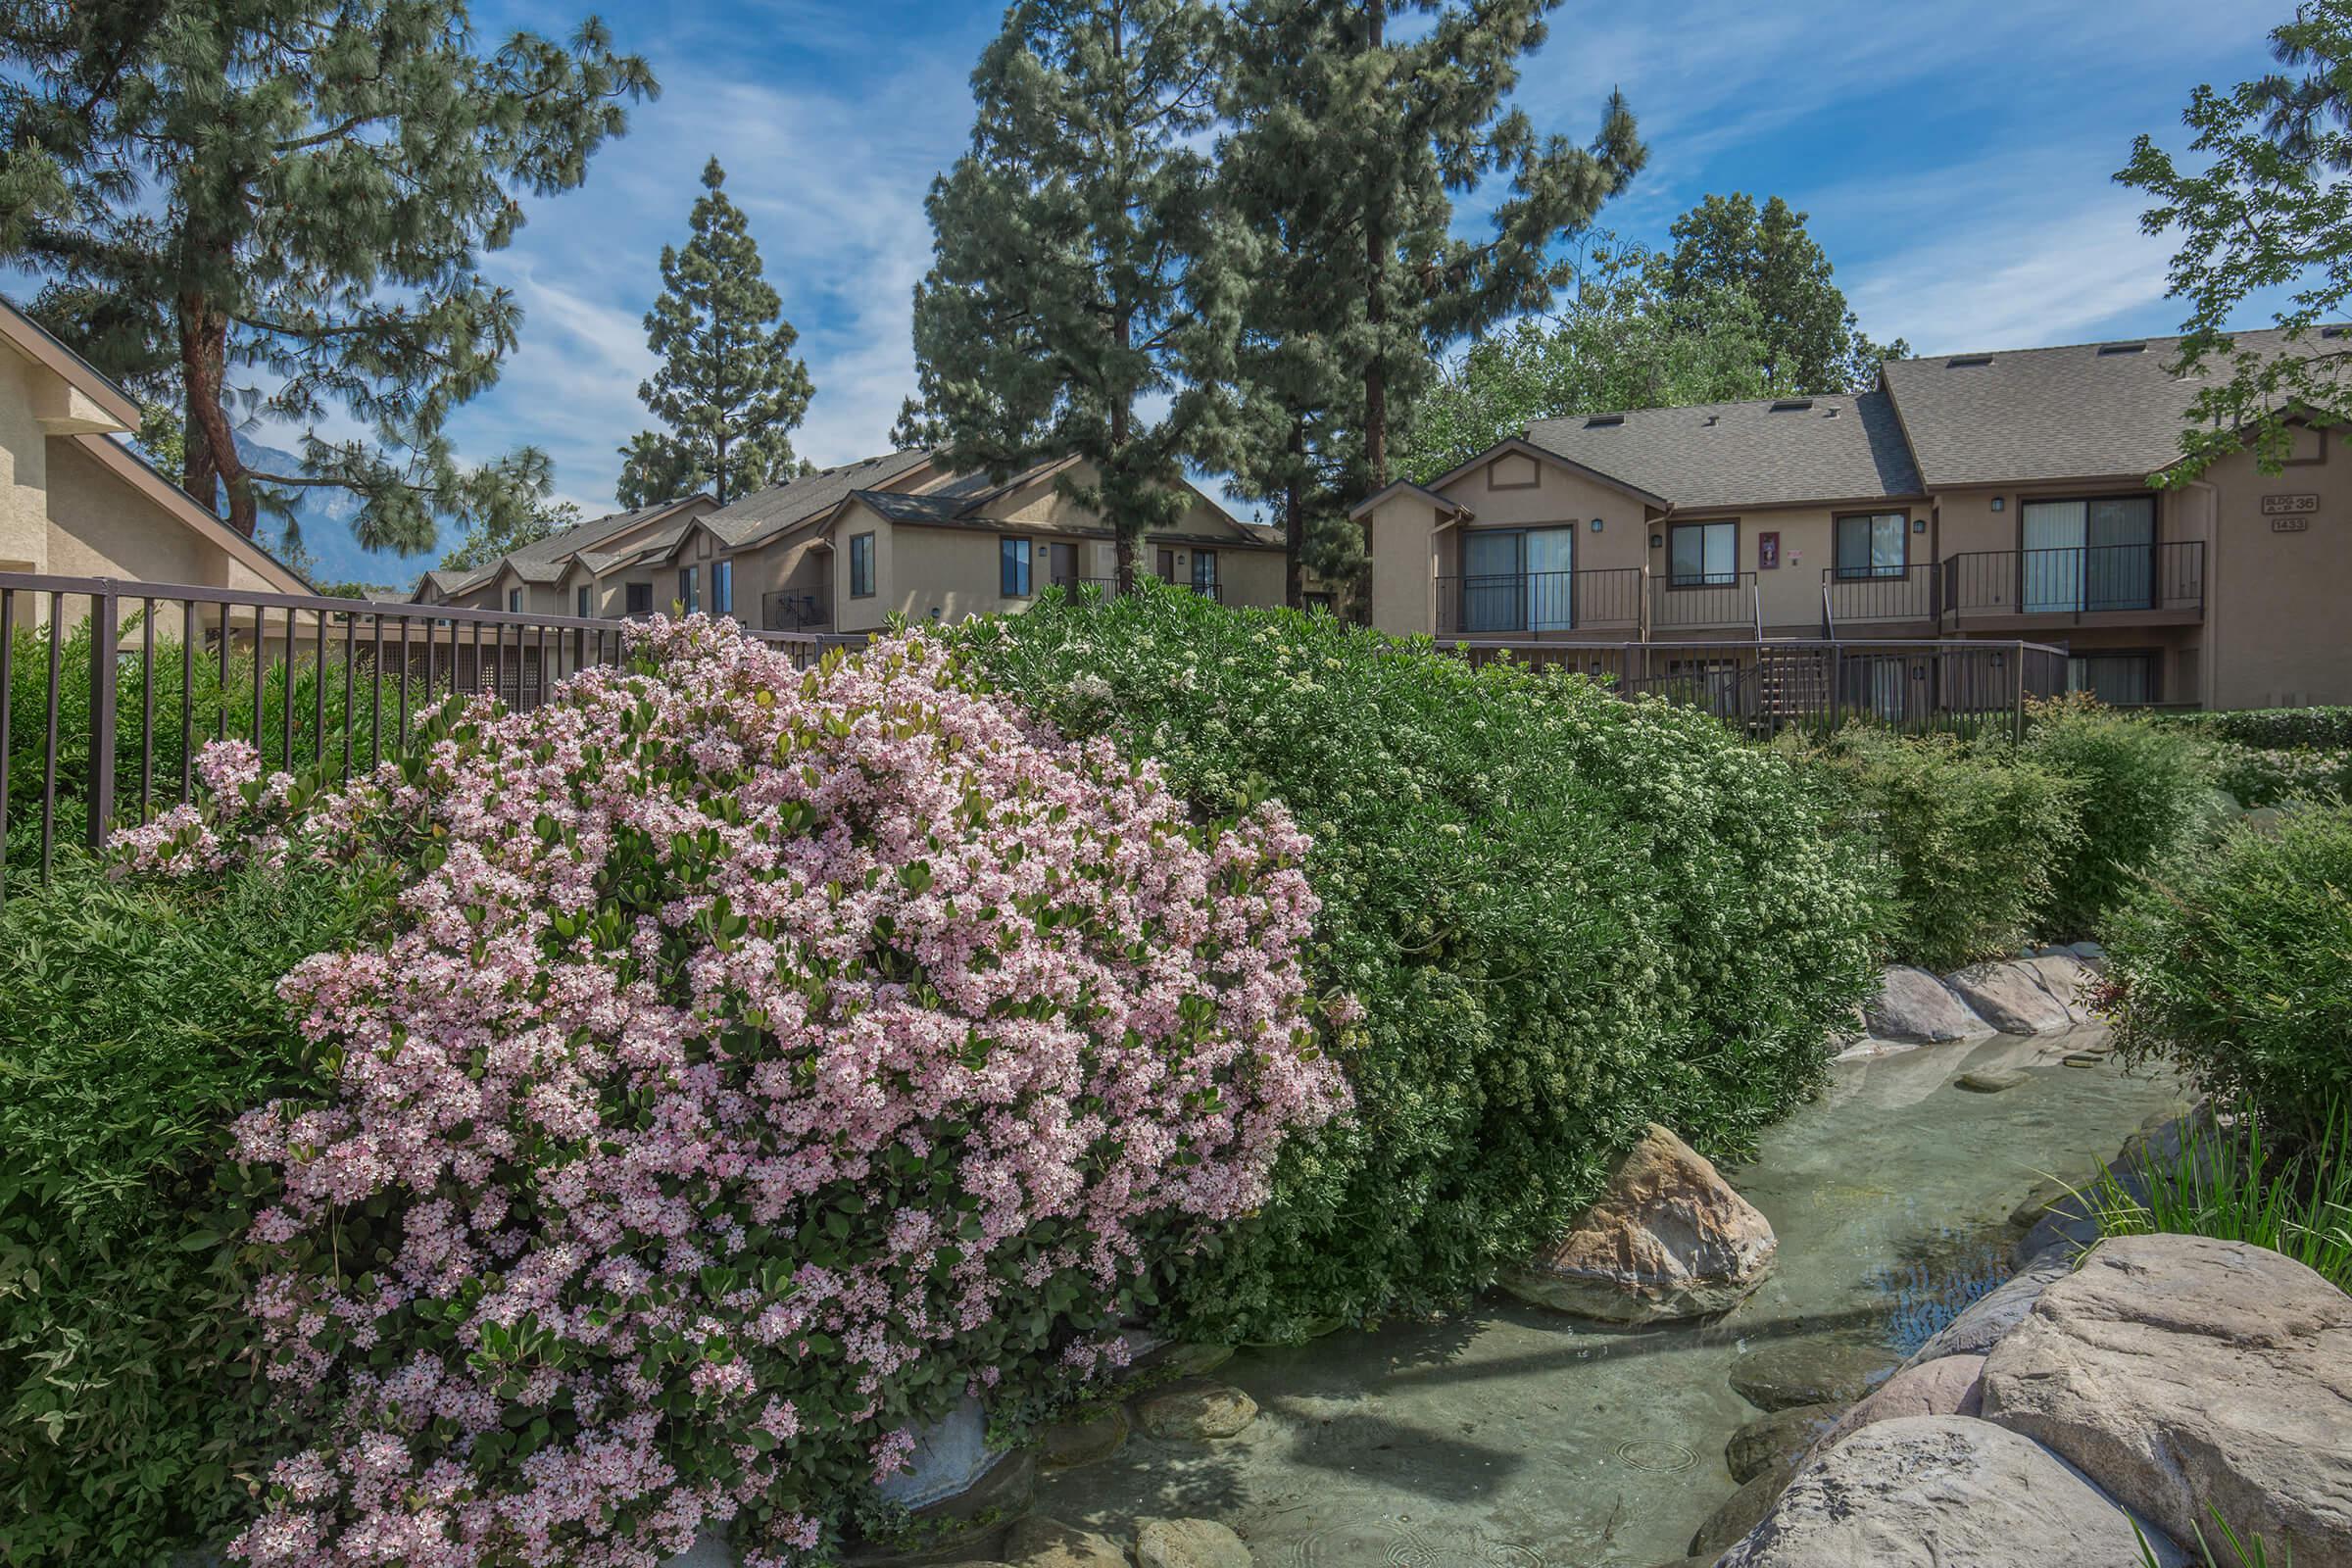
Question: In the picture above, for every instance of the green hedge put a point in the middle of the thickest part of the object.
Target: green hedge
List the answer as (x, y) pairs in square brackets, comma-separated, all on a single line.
[(1972, 838), (2146, 796), (1566, 914), (2240, 970), (2269, 728), (136, 1022)]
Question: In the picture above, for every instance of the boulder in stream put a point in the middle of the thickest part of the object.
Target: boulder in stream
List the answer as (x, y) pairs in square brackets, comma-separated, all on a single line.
[(1940, 1489), (1041, 1543), (2186, 1374), (1914, 1007), (1189, 1544), (2012, 998), (1949, 1385), (1198, 1411), (1667, 1239), (1825, 1369), (1780, 1439)]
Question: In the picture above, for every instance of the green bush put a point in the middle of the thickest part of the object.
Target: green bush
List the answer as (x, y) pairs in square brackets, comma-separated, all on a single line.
[(2145, 795), (2227, 1181), (2240, 970), (2269, 728), (1971, 837), (137, 1021), (2254, 775), (1566, 914)]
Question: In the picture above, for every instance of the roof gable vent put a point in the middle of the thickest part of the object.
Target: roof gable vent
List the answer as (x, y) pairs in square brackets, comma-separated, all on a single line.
[(2108, 349), (1598, 422), (2335, 331), (1968, 361), (1790, 404)]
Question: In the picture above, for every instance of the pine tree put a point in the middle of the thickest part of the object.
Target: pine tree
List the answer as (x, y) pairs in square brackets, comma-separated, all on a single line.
[(728, 389), (917, 428), (1811, 342), (298, 190), (1348, 145), (1067, 252)]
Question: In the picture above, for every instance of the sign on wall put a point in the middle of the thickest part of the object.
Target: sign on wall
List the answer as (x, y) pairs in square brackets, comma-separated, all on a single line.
[(2295, 506), (1768, 552)]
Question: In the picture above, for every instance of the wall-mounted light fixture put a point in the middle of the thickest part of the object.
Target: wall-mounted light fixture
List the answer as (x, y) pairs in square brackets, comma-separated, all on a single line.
[(1999, 504), (1919, 525), (1657, 541), (1596, 526)]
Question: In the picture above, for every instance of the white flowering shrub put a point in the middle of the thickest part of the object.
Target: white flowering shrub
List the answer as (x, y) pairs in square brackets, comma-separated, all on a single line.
[(759, 1062)]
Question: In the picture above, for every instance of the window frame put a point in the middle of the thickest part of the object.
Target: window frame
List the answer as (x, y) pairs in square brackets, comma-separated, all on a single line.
[(1675, 584), (1873, 574), (2151, 659), (1199, 582), (513, 600), (1016, 567), (637, 598), (690, 588), (722, 586), (585, 600), (866, 564)]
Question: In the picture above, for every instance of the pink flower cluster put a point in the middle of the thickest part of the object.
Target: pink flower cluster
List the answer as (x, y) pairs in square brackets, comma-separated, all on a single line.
[(759, 1058)]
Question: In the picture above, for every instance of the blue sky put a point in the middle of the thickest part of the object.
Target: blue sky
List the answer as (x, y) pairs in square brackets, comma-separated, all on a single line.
[(1954, 159)]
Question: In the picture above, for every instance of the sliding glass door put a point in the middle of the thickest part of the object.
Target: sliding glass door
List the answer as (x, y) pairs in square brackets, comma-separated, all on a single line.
[(2096, 553), (1550, 580), (1515, 581)]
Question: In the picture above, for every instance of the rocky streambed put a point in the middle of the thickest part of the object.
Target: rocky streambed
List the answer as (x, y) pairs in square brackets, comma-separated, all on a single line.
[(1515, 1434)]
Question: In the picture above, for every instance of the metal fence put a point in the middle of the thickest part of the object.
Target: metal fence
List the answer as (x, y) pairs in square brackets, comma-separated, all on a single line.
[(107, 689)]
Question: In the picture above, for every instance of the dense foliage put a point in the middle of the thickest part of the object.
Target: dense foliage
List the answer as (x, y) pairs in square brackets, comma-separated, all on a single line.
[(2240, 970), (1566, 915), (2229, 1181), (137, 1021), (1970, 835), (2145, 795), (2272, 729), (2256, 776), (759, 1063)]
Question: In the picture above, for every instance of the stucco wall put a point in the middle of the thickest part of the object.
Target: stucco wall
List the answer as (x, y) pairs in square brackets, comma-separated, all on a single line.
[(1403, 547), (2279, 605), (23, 470)]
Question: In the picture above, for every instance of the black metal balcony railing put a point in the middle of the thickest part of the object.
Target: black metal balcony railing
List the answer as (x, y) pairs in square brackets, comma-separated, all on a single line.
[(1883, 594), (1534, 603), (1064, 583), (1719, 599), (806, 608), (2091, 579)]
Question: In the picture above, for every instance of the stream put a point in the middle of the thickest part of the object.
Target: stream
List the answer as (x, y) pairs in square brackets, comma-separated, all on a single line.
[(1512, 1436)]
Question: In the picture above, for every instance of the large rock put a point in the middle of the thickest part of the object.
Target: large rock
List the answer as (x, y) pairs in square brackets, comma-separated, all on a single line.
[(1828, 1369), (1950, 1385), (1914, 1007), (1065, 1444), (1738, 1514), (1666, 1239), (2012, 998), (1039, 1543), (2186, 1375), (2068, 980), (1780, 1439), (1942, 1492), (1989, 1317), (1197, 1412), (1188, 1544)]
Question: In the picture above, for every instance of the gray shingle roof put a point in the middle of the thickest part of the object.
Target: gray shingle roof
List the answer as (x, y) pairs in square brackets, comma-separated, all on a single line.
[(1767, 453), (543, 561), (781, 506), (2048, 414)]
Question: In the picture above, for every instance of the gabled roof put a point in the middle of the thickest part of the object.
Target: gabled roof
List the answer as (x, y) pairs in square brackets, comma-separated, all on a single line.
[(1445, 504), (1768, 452), (190, 514), (544, 560), (36, 343), (2084, 411), (803, 500)]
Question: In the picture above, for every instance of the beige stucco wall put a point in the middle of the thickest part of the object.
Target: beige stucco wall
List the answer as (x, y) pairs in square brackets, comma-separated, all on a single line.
[(2278, 606), (23, 470), (1404, 546)]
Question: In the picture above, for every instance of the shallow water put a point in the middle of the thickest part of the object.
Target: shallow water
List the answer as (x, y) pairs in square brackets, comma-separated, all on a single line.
[(1511, 1436)]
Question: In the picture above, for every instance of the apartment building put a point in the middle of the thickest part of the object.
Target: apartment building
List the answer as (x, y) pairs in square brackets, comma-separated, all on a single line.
[(2006, 495)]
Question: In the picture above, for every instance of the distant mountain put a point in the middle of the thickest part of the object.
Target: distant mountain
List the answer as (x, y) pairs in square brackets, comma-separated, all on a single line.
[(324, 519)]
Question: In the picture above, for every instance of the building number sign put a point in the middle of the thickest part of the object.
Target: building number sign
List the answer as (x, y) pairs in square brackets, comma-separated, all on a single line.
[(2290, 514)]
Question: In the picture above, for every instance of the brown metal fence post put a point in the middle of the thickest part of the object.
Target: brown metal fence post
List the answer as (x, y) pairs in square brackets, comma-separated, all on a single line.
[(2017, 728), (102, 715)]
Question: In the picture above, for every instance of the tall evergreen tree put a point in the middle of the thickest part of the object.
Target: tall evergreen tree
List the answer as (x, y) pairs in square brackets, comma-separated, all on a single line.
[(1350, 145), (1811, 342), (728, 387), (300, 190), (1067, 254)]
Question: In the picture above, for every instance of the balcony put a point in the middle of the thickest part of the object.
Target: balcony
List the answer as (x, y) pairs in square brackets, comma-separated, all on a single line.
[(2156, 583), (1535, 604), (1075, 587), (1721, 600), (1882, 596), (808, 609)]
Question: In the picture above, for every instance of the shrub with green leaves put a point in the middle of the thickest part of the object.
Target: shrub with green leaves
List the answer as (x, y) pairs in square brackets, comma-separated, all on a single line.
[(2238, 969), (2254, 775), (1566, 914), (136, 1022), (2272, 729), (2146, 796), (1972, 838)]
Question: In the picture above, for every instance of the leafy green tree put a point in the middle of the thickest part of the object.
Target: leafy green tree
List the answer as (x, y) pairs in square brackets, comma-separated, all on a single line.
[(298, 191), (916, 427), (1810, 341), (1616, 342), (728, 389), (487, 543), (2269, 209), (1061, 293)]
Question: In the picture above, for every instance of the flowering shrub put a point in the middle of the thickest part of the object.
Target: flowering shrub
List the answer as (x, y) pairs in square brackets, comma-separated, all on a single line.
[(1566, 914), (760, 1061)]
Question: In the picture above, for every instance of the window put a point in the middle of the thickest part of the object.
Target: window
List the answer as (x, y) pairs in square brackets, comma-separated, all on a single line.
[(1164, 567), (690, 589), (2098, 552), (587, 606), (639, 598), (514, 601), (1204, 572), (1877, 544), (1012, 567), (861, 565), (1702, 555), (722, 588), (2118, 680)]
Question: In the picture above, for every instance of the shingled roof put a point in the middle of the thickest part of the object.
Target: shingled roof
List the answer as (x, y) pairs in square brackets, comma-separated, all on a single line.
[(1770, 452), (797, 501), (2086, 411)]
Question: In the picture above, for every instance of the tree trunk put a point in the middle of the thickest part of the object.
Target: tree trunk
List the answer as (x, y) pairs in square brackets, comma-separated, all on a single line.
[(204, 364), (1376, 304), (1294, 524)]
